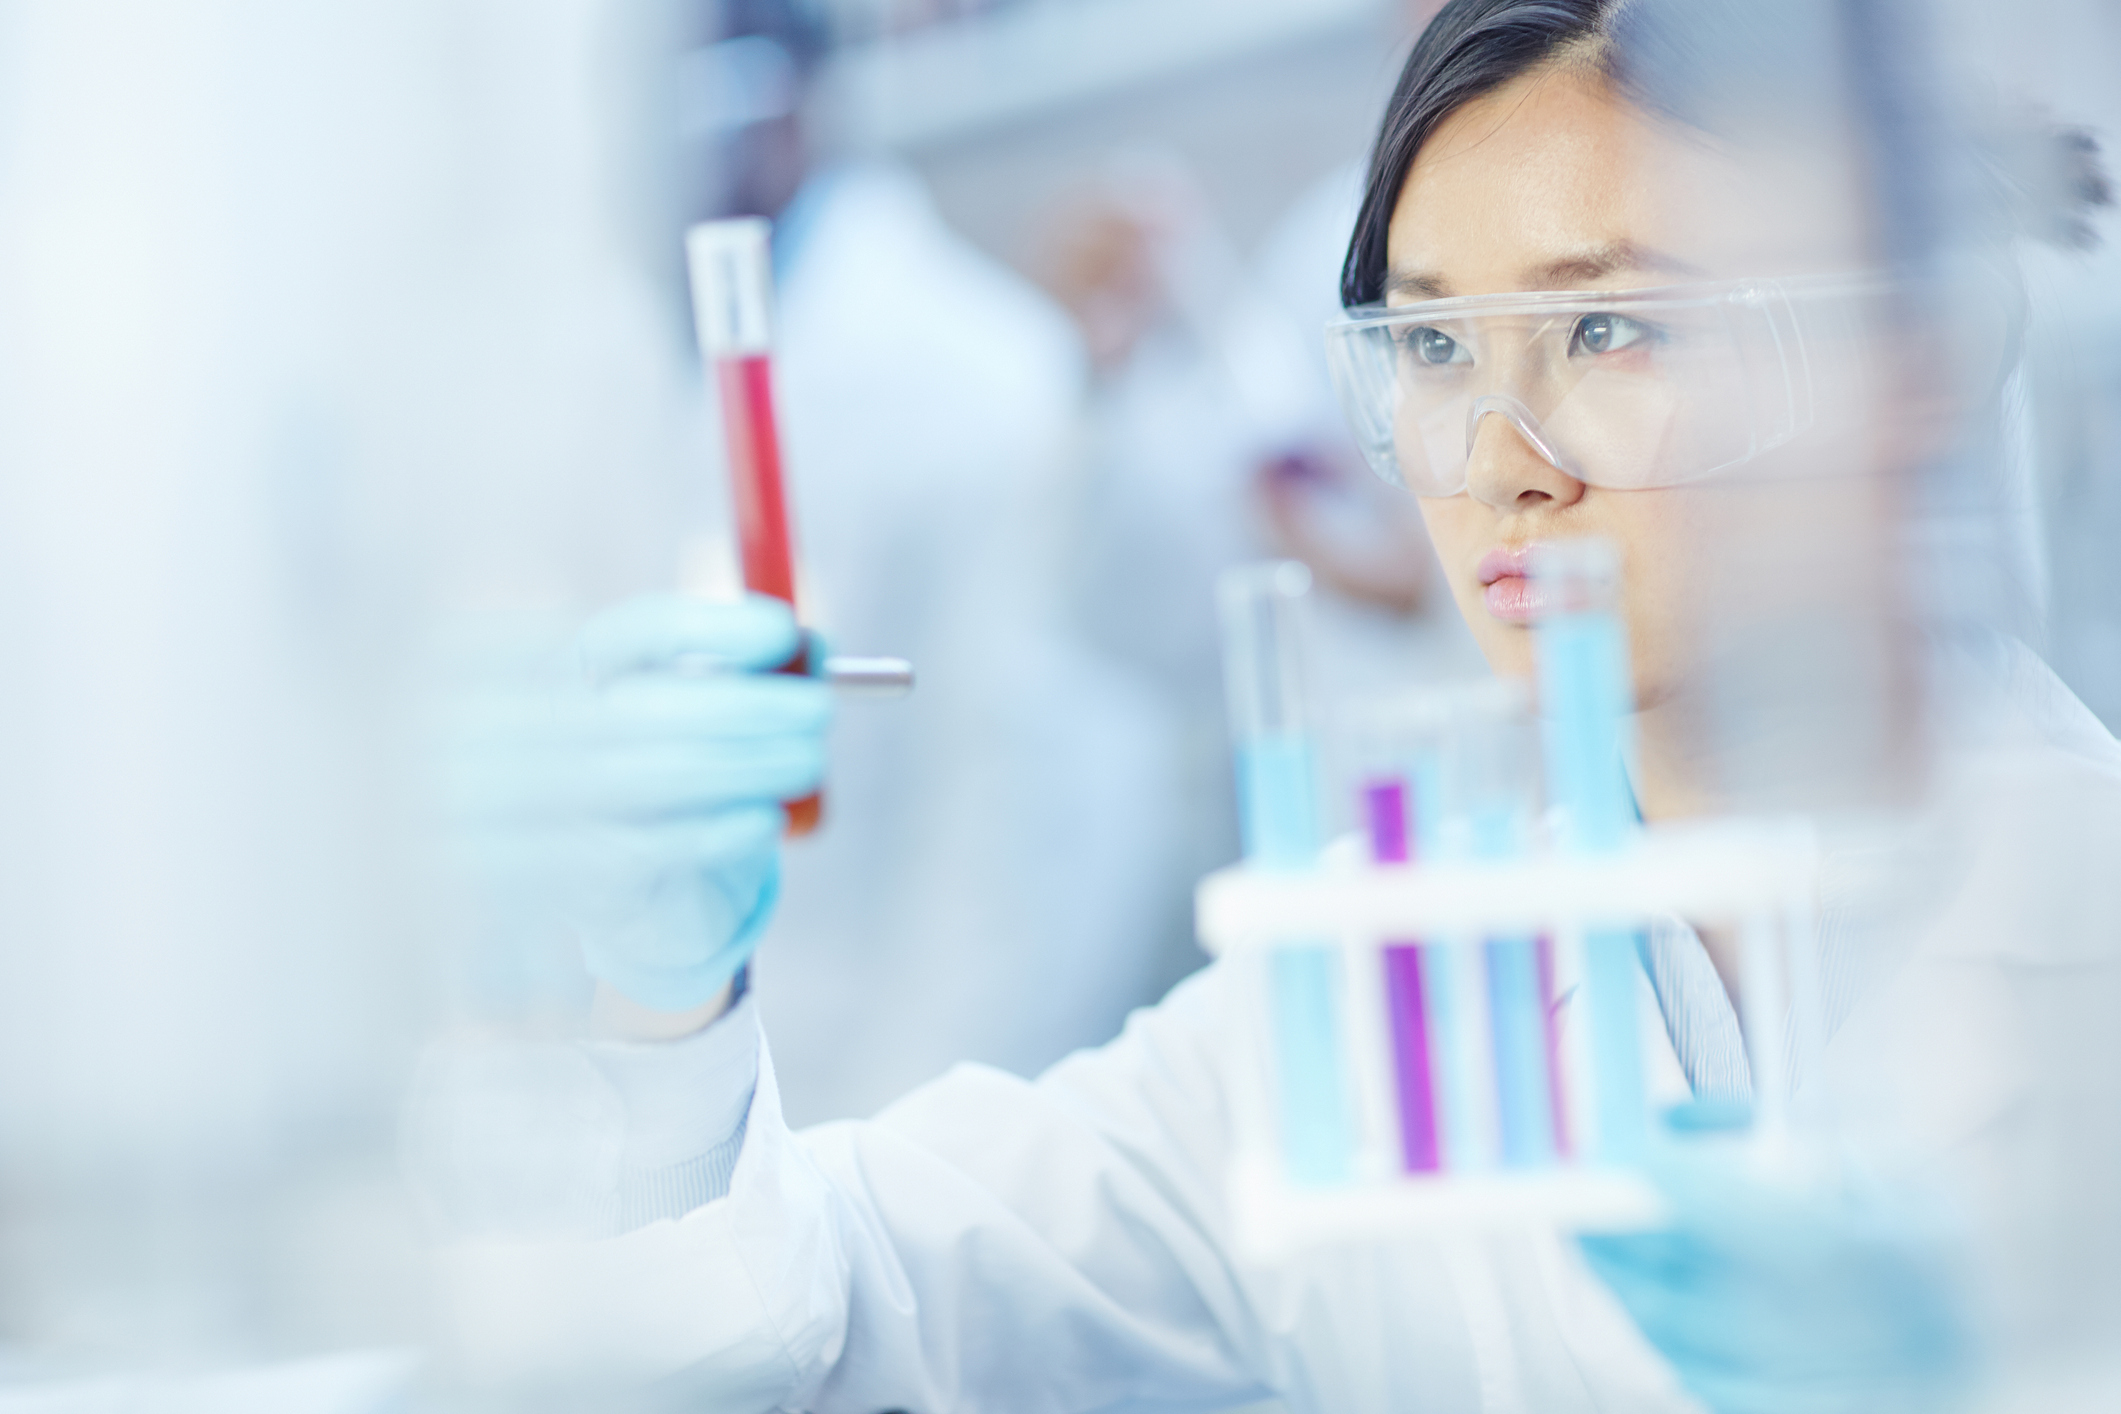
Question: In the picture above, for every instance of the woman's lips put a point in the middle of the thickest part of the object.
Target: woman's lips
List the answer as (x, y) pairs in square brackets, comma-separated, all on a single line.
[(1512, 595), (1516, 599)]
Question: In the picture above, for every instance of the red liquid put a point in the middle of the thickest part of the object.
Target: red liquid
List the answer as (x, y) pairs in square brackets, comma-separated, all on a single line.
[(746, 384), (755, 475)]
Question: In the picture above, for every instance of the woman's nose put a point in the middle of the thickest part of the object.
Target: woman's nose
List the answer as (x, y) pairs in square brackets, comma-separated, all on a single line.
[(1505, 471)]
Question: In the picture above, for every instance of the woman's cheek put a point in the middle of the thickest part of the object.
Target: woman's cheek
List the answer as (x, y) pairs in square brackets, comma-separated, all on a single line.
[(1462, 531), (1455, 536), (1661, 537), (1451, 532)]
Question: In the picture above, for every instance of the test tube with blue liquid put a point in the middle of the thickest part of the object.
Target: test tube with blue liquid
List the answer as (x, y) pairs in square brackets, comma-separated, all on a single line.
[(1492, 804), (1585, 697), (1263, 608)]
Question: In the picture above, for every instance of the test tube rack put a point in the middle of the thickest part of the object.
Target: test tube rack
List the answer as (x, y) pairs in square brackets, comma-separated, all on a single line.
[(1414, 997)]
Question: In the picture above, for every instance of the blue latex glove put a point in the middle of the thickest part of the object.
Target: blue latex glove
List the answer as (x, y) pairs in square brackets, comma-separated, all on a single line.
[(1770, 1299), (630, 789)]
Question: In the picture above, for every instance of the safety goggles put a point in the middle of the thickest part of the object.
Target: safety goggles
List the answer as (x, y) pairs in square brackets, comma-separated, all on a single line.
[(1624, 389)]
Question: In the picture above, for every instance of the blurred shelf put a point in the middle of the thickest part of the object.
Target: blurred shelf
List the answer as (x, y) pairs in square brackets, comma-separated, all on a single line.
[(958, 78)]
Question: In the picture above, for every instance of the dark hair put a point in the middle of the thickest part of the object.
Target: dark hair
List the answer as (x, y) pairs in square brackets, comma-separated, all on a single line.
[(1471, 48), (1951, 194), (1706, 62)]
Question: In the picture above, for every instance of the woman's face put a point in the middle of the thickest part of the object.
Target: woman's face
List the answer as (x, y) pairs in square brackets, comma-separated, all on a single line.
[(1552, 183)]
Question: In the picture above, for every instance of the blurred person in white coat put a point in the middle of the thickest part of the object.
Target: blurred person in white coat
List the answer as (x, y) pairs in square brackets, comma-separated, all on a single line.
[(1213, 439), (979, 890), (1218, 436)]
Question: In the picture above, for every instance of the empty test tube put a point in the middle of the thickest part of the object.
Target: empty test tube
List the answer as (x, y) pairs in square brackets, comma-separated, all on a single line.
[(1263, 645), (1585, 698)]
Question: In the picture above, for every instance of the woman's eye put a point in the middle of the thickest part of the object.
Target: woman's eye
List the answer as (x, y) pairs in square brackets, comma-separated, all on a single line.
[(1435, 346), (1606, 333)]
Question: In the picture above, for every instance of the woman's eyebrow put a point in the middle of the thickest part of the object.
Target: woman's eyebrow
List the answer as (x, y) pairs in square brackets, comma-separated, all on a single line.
[(1612, 258), (1566, 272), (1415, 285)]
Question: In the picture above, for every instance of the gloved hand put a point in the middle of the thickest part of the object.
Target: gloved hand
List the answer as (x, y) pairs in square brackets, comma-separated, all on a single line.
[(1787, 1300), (629, 789)]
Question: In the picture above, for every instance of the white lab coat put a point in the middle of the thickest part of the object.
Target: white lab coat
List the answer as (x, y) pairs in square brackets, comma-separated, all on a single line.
[(1063, 1244)]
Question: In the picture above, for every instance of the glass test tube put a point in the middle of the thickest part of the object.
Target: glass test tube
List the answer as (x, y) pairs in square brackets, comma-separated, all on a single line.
[(1519, 977), (1585, 697), (1277, 789), (1401, 744), (732, 304), (1492, 788)]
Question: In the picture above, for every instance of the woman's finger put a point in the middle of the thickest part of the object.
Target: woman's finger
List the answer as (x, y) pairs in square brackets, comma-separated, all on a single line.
[(673, 707), (658, 630), (663, 780)]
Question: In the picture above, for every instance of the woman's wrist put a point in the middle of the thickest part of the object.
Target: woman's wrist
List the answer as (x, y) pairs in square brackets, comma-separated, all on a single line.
[(614, 1016)]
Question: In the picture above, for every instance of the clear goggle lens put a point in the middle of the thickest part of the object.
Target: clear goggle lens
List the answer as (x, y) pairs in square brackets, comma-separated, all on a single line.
[(1627, 389)]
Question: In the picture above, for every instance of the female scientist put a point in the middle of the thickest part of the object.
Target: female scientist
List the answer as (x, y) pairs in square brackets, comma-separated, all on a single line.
[(993, 1243)]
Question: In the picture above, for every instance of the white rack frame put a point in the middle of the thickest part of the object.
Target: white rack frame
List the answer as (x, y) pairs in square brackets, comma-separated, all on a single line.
[(1758, 874)]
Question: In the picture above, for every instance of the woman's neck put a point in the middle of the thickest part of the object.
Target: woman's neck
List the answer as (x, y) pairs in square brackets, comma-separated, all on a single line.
[(1672, 783), (1672, 776)]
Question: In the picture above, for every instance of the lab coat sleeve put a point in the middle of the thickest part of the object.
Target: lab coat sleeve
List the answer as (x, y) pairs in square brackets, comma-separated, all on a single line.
[(986, 1242), (685, 1104)]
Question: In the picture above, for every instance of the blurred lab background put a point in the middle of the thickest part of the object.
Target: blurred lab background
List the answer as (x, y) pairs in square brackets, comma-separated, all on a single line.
[(325, 328), (1052, 278)]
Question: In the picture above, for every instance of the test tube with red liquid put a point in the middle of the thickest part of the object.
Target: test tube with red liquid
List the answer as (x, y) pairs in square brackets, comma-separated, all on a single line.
[(732, 306)]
